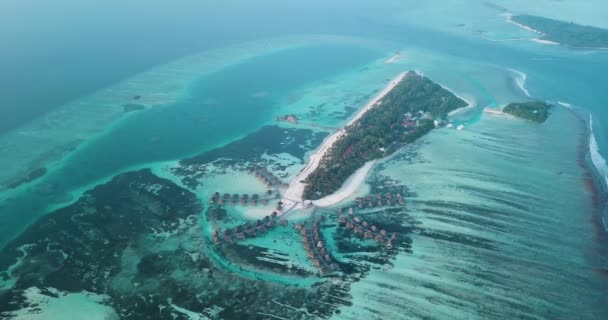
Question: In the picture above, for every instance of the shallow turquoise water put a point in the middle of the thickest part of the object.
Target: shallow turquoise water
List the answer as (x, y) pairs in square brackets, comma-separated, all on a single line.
[(221, 107), (472, 173)]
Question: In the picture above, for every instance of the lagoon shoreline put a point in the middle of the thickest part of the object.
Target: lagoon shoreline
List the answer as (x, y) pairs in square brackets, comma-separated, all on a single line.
[(293, 195)]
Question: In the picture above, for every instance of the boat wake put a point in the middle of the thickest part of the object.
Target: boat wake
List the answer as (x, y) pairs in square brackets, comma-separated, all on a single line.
[(520, 81)]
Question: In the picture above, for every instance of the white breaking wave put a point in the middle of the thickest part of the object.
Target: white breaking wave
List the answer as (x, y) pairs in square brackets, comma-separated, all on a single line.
[(564, 104), (596, 157), (520, 80)]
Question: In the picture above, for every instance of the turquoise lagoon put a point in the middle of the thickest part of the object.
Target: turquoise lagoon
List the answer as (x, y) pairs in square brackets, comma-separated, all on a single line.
[(506, 224)]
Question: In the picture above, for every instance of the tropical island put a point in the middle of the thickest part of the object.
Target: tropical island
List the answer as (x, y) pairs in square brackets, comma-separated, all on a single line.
[(565, 33), (537, 111), (411, 108)]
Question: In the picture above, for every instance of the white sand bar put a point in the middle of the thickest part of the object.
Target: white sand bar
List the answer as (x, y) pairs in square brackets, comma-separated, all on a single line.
[(348, 188), (294, 192)]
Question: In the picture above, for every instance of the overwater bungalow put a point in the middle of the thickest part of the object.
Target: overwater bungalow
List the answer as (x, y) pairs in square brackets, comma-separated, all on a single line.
[(226, 196), (243, 202), (401, 202), (299, 226), (262, 228), (368, 198), (357, 219), (378, 196), (360, 205), (228, 239), (349, 225), (232, 202), (351, 211), (342, 220), (283, 222), (221, 202), (303, 231), (251, 232), (316, 263), (379, 203), (240, 236), (255, 196), (266, 219), (389, 195), (383, 232), (212, 201), (319, 244), (235, 196), (389, 202), (379, 239), (367, 235), (327, 257), (389, 244), (310, 255), (245, 196), (274, 214), (370, 204), (306, 246), (265, 202), (365, 224), (359, 199), (358, 230), (271, 224), (254, 202)]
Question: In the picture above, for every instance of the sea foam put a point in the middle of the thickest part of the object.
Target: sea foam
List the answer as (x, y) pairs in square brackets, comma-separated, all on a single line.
[(596, 157), (520, 81)]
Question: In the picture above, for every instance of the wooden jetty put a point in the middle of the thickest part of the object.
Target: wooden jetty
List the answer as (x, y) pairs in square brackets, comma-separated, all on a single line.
[(314, 245), (368, 231)]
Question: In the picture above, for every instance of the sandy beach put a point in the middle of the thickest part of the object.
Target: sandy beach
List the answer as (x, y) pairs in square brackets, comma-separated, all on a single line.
[(509, 17), (293, 195), (538, 40), (349, 187), (497, 112), (471, 103)]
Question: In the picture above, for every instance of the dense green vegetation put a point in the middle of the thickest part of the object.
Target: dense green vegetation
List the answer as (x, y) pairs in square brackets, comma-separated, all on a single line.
[(566, 33), (537, 111), (406, 113)]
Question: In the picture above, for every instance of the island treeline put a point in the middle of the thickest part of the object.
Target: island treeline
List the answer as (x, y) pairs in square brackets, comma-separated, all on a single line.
[(566, 33), (537, 111), (406, 113)]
